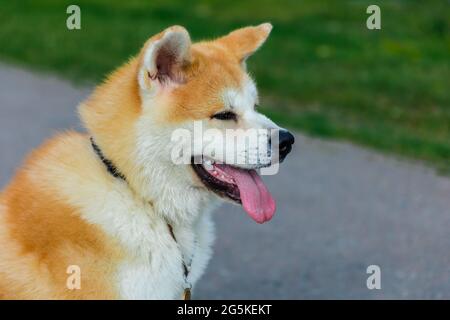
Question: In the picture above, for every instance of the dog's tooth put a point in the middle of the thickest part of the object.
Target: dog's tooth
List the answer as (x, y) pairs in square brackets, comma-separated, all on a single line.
[(208, 165)]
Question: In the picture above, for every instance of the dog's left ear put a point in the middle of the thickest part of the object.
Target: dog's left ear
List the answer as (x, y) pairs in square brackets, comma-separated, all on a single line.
[(245, 41), (164, 58)]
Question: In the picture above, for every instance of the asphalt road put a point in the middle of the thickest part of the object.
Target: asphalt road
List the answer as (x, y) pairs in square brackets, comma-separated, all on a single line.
[(341, 208)]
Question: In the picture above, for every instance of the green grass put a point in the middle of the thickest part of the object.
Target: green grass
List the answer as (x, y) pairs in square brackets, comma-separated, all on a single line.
[(321, 71)]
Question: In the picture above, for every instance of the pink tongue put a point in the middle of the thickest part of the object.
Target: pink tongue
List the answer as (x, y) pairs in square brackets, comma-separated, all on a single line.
[(256, 199)]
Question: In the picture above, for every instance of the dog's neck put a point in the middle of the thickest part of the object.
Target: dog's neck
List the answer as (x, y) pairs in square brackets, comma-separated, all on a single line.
[(182, 211)]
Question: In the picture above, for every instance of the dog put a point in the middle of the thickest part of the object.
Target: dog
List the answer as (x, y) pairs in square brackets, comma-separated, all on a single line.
[(108, 214)]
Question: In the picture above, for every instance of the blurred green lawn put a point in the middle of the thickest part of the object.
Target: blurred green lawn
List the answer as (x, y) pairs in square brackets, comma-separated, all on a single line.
[(321, 71)]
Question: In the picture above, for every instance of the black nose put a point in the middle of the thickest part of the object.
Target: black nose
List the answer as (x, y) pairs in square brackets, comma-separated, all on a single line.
[(286, 140)]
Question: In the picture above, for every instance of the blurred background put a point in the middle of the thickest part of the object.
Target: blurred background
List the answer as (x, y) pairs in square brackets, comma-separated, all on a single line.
[(368, 181)]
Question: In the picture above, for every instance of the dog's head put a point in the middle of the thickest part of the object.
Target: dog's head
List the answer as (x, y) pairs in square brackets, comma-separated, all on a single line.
[(181, 122)]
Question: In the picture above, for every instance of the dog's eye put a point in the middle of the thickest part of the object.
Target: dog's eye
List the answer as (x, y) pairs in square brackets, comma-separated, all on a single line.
[(225, 115)]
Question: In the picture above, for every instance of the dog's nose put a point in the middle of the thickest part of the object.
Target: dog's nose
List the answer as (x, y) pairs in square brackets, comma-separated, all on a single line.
[(286, 140)]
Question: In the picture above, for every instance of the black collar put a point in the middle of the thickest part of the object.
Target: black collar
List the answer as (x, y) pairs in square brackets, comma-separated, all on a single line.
[(112, 169)]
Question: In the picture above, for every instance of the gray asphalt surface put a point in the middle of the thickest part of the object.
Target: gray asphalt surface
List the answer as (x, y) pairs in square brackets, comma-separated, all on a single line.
[(341, 208)]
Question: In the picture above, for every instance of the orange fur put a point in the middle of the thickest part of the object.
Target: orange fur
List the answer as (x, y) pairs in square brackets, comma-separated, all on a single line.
[(41, 234), (42, 230)]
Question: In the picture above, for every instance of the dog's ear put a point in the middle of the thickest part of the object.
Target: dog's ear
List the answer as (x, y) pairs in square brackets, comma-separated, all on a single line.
[(245, 41), (164, 58)]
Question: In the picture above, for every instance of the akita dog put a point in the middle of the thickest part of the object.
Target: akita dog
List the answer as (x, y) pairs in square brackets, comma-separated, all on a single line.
[(109, 214)]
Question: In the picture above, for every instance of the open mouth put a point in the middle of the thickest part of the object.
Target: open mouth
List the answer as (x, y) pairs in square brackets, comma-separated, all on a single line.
[(242, 186)]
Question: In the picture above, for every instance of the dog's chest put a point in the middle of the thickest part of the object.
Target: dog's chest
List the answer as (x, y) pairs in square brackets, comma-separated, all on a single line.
[(152, 267), (155, 268)]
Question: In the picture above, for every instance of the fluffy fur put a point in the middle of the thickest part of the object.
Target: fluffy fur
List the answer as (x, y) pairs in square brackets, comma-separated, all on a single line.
[(63, 208)]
